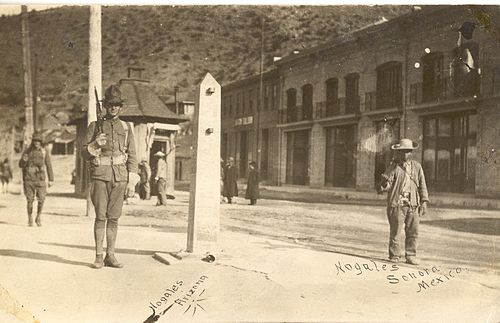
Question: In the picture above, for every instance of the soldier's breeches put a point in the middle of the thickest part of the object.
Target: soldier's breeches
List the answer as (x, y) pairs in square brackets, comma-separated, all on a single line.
[(107, 198), (32, 189)]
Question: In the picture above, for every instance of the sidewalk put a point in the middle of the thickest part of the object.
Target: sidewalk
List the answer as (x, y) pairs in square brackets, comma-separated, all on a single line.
[(347, 195), (47, 271)]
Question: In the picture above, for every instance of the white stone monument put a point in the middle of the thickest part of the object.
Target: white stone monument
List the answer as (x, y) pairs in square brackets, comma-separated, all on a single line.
[(204, 200)]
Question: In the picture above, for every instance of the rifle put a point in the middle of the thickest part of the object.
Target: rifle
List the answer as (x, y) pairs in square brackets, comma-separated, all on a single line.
[(99, 113)]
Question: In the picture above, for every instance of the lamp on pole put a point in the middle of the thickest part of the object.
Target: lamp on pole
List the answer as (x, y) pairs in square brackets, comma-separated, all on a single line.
[(261, 83)]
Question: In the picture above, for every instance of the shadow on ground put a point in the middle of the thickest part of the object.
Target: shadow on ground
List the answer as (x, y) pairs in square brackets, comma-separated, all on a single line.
[(67, 195), (118, 250), (486, 226), (162, 228), (40, 256)]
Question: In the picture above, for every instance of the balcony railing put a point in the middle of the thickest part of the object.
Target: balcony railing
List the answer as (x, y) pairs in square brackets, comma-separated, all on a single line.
[(370, 100), (444, 89), (295, 114), (352, 104), (389, 99)]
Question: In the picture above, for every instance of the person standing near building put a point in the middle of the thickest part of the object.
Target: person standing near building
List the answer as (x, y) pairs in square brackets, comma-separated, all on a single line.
[(34, 162), (252, 192), (109, 145), (145, 173), (230, 178), (5, 175), (161, 178), (407, 200)]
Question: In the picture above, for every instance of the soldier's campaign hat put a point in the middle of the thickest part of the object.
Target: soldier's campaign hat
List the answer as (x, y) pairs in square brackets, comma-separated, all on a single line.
[(37, 136), (113, 95), (405, 144)]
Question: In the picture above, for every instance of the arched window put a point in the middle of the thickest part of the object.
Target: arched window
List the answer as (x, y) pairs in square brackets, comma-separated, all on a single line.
[(389, 90), (307, 101), (332, 96), (291, 104), (433, 81), (465, 66), (352, 93)]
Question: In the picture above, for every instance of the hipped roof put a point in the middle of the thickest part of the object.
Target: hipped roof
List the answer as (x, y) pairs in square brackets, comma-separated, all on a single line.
[(141, 101)]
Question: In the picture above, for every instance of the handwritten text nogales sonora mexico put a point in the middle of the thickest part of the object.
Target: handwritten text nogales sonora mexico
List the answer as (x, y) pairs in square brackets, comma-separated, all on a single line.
[(425, 278)]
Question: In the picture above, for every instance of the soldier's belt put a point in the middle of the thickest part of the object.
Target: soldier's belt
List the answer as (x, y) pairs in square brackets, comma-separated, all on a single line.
[(111, 160)]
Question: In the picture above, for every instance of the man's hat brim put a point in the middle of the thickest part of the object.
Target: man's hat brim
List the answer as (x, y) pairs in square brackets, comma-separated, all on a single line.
[(405, 146)]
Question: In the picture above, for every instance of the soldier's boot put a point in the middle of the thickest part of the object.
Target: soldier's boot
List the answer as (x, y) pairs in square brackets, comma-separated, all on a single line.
[(111, 233), (30, 212), (99, 231), (98, 262), (38, 219)]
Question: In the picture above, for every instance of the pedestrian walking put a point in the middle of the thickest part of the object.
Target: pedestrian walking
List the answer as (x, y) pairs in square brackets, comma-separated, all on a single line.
[(109, 145), (407, 200), (222, 171), (230, 178), (5, 175), (35, 162), (161, 178), (145, 174), (252, 192)]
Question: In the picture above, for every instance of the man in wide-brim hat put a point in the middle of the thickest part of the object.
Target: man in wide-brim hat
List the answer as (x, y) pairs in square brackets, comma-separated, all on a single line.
[(114, 172), (161, 178), (407, 200)]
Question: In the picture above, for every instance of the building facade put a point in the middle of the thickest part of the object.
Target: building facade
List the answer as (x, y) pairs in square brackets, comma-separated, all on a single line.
[(344, 103), (245, 122)]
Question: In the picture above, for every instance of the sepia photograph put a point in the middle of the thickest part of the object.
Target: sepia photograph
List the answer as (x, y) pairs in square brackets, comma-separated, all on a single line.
[(249, 163)]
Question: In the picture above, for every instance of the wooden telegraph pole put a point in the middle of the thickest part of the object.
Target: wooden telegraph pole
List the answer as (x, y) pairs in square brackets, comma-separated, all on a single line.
[(95, 79), (28, 94)]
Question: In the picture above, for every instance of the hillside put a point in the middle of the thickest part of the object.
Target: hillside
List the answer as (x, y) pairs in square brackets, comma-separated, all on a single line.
[(176, 44)]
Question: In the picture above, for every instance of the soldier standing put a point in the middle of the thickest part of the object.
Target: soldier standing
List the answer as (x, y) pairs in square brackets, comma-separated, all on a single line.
[(33, 162), (109, 145)]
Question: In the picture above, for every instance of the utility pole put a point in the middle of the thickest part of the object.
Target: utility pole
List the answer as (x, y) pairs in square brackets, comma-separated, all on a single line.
[(36, 111), (95, 80), (28, 94), (261, 91), (176, 90)]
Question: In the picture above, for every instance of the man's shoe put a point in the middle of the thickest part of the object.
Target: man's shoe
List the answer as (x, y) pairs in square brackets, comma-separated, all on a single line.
[(30, 221), (412, 260), (38, 221), (394, 259), (98, 263), (110, 261)]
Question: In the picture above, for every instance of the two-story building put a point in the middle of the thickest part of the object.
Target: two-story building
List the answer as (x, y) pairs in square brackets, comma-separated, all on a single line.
[(246, 122), (417, 76)]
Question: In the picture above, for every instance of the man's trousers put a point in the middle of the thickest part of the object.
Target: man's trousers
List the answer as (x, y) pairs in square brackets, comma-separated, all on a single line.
[(403, 217)]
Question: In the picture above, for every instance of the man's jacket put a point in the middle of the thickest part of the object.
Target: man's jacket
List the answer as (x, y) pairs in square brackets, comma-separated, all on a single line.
[(393, 179), (34, 168), (119, 148)]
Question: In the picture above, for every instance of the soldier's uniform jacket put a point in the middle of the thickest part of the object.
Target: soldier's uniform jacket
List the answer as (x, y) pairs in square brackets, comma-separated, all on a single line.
[(117, 157), (34, 167)]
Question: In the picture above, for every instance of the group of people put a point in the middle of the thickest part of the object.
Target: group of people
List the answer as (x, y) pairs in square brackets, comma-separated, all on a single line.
[(229, 185), (115, 173)]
